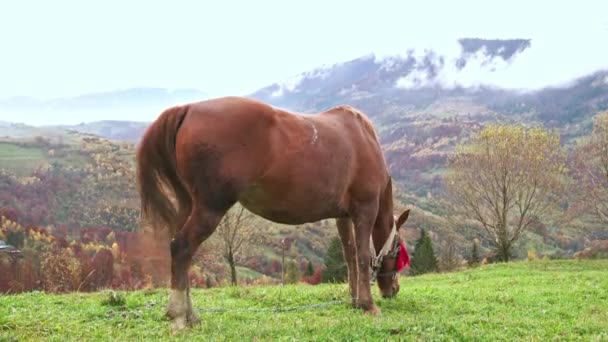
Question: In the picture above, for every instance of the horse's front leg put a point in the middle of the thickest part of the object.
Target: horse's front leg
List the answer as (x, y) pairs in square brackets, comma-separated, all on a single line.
[(349, 248), (199, 226), (364, 217)]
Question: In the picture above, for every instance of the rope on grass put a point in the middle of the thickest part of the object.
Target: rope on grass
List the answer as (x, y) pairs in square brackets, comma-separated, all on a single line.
[(279, 309)]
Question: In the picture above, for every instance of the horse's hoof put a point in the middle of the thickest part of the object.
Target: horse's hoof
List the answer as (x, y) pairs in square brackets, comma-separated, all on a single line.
[(179, 324), (193, 319), (372, 310)]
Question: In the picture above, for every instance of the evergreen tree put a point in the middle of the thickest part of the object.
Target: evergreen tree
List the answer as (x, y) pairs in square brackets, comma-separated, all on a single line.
[(335, 266), (423, 259)]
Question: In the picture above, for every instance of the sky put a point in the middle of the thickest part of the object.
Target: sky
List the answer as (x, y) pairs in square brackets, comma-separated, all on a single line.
[(71, 47)]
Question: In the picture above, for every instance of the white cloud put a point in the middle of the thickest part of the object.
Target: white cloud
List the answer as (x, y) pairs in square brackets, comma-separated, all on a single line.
[(289, 85), (292, 83), (544, 63)]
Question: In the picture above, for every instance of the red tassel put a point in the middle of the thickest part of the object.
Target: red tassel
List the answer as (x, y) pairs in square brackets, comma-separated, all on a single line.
[(403, 258)]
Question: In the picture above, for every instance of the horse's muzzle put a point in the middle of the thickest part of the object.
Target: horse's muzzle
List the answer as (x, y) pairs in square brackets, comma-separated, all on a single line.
[(393, 292)]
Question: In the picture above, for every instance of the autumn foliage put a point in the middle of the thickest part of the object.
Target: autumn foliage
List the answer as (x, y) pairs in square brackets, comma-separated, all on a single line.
[(590, 168), (48, 262)]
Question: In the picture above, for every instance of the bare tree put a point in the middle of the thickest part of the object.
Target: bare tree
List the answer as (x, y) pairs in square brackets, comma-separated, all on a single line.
[(449, 258), (504, 179), (591, 169), (236, 230)]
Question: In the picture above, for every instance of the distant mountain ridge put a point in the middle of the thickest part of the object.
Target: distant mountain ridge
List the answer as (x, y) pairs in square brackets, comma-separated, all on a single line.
[(139, 103), (130, 131), (127, 98)]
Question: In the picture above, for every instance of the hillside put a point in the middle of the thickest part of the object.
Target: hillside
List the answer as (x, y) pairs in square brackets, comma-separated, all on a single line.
[(83, 190), (540, 300), (74, 181)]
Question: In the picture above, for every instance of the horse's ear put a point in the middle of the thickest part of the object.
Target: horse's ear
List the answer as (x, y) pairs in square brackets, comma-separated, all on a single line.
[(402, 218)]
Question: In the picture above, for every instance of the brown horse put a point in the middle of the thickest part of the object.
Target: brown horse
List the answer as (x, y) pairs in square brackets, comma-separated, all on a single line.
[(197, 160)]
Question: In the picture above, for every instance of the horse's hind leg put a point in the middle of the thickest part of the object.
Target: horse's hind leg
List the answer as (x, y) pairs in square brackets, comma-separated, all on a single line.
[(191, 317), (199, 226), (349, 248)]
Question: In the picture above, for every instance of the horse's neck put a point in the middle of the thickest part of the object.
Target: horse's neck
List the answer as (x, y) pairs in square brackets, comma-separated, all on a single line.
[(385, 221), (383, 229)]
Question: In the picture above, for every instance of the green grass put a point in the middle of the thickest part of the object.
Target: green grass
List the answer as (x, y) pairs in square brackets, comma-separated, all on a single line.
[(538, 301), (244, 272)]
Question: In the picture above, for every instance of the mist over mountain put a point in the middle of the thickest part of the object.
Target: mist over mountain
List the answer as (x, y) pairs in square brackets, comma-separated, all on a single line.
[(469, 68), (417, 80)]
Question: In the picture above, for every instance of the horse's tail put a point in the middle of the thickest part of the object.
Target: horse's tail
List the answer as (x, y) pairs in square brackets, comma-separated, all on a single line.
[(161, 191)]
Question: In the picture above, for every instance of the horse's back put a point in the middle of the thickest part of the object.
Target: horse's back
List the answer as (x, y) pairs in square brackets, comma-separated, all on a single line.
[(286, 167)]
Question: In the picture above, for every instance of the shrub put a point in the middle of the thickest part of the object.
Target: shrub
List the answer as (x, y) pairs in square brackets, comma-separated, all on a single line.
[(60, 271)]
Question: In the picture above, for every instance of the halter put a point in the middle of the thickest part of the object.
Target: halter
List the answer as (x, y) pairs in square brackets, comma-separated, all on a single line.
[(387, 250)]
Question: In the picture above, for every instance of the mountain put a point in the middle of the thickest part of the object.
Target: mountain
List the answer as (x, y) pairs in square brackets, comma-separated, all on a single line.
[(133, 102), (130, 131), (410, 79), (415, 81), (127, 98)]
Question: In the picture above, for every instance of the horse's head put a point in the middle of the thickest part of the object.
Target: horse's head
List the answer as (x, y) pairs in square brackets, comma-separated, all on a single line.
[(392, 259)]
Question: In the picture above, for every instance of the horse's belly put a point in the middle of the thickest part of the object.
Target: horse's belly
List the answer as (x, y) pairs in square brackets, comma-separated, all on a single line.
[(296, 206)]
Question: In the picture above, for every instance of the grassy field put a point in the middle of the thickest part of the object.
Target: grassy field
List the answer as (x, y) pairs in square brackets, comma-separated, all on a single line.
[(20, 160), (23, 160), (538, 301)]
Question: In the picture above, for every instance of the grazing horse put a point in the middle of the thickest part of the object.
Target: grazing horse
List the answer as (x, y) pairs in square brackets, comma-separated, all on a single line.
[(197, 160)]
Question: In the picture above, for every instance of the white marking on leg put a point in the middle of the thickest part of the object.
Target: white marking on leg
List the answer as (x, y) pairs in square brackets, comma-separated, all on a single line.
[(177, 309), (178, 300)]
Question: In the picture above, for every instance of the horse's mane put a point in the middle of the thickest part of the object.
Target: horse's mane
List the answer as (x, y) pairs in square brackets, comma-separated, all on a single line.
[(361, 117)]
